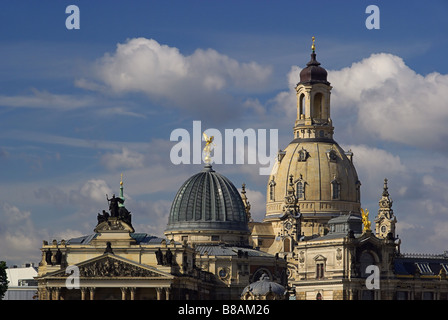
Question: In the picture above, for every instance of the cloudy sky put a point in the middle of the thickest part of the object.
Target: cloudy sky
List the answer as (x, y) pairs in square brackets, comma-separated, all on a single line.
[(79, 107)]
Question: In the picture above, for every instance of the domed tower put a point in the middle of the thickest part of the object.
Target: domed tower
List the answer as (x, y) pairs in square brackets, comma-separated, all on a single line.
[(325, 179), (208, 209)]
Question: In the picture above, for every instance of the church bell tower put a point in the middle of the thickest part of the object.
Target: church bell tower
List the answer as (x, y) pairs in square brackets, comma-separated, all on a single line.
[(385, 220), (313, 102)]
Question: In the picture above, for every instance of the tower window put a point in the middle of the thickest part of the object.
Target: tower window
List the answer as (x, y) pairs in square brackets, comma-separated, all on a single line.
[(302, 106), (317, 105)]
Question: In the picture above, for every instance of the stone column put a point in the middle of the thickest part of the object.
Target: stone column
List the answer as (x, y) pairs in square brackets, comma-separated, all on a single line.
[(92, 293), (50, 293), (83, 293), (159, 293), (123, 293), (57, 292), (132, 291), (167, 293)]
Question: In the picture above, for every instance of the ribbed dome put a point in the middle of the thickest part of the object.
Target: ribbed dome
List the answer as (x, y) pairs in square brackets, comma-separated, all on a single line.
[(207, 201), (264, 287), (313, 73)]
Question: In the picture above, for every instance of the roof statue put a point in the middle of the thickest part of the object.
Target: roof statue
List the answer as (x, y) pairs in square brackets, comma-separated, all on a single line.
[(365, 220), (313, 47), (208, 147)]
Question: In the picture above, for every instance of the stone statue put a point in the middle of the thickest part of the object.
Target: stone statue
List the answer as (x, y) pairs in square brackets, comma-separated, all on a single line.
[(159, 256), (108, 248), (48, 257), (169, 257), (58, 257), (113, 205), (102, 217)]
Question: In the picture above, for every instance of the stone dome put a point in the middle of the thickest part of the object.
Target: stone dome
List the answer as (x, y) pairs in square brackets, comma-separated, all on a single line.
[(206, 205), (325, 180), (264, 289)]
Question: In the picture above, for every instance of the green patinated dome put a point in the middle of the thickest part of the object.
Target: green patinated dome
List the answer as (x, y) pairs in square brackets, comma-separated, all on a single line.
[(207, 201)]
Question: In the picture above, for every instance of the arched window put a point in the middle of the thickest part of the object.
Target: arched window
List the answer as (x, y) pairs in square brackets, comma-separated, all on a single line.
[(302, 106), (318, 105)]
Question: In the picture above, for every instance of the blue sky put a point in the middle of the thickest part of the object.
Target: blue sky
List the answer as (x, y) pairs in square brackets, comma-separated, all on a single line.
[(72, 123)]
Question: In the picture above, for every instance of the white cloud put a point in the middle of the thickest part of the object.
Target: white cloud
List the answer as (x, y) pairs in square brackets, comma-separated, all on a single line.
[(393, 102), (96, 190), (18, 236), (380, 97), (47, 100), (163, 72), (126, 159)]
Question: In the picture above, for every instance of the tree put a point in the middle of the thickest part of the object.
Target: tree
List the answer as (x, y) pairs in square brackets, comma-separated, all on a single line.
[(3, 279)]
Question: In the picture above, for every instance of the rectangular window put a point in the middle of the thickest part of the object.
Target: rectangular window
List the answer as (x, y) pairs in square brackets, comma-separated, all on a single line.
[(300, 190), (215, 238), (319, 270)]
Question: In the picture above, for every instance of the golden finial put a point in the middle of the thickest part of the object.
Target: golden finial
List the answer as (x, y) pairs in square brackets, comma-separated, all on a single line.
[(313, 47), (121, 181)]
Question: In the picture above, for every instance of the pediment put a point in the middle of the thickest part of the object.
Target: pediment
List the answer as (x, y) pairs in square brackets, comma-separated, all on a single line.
[(113, 224), (111, 266)]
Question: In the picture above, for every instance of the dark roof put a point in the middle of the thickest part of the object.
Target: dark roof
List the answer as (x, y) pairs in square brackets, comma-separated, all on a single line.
[(139, 238), (423, 264), (313, 73), (207, 201), (264, 286), (222, 250)]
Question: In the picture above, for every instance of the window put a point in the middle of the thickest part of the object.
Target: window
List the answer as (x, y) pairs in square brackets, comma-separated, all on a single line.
[(287, 245), (215, 238), (317, 105), (303, 155), (402, 295), (335, 190), (300, 187), (424, 268), (319, 271), (302, 106), (428, 295), (272, 190)]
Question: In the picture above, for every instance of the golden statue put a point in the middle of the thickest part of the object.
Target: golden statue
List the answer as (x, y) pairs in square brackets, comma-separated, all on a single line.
[(313, 47), (365, 220), (208, 148)]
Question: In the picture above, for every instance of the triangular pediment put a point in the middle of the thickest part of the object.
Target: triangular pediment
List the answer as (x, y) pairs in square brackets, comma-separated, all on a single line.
[(111, 266)]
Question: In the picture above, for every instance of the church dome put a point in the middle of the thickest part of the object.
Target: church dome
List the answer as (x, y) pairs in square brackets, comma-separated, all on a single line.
[(323, 175), (264, 289), (207, 204), (325, 180)]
